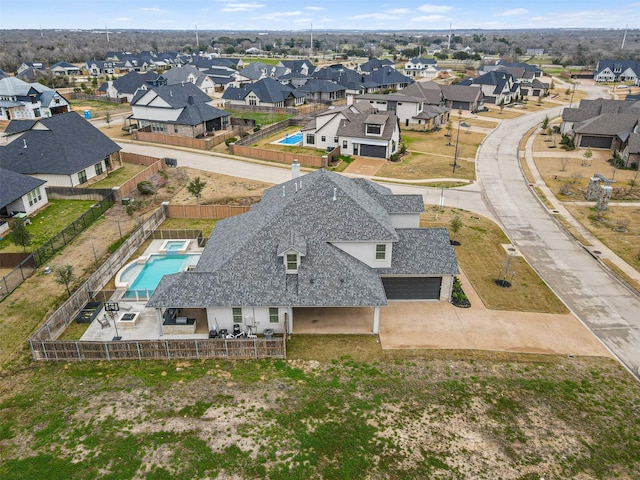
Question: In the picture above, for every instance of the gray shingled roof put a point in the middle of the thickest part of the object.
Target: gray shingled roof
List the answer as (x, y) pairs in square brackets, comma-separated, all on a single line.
[(69, 144), (240, 264), (422, 251), (607, 124), (267, 90), (15, 185)]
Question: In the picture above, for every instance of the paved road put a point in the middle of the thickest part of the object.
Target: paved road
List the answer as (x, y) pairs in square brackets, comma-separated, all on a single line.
[(603, 304)]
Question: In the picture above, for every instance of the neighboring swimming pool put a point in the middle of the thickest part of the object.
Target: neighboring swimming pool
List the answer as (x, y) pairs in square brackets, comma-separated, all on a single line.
[(295, 139), (141, 277)]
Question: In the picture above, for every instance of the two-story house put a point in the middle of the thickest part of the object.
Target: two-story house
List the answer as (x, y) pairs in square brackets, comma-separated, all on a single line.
[(20, 100), (180, 110), (424, 68), (266, 92), (319, 242), (357, 129)]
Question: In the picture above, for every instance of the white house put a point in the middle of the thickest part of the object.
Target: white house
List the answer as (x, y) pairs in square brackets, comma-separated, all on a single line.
[(357, 129)]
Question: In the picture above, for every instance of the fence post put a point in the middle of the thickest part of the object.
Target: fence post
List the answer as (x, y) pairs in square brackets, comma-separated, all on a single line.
[(166, 344), (255, 348), (49, 331), (106, 349), (78, 350), (139, 353), (44, 350), (33, 351), (226, 348), (197, 352)]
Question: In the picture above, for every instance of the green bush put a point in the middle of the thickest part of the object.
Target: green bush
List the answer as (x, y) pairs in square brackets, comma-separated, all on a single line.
[(230, 140), (146, 187)]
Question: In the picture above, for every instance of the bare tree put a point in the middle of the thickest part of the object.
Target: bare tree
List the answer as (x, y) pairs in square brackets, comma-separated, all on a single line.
[(64, 276), (564, 162)]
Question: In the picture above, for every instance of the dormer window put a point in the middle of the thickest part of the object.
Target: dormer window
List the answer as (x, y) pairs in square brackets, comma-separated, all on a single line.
[(373, 129), (292, 261), (381, 251)]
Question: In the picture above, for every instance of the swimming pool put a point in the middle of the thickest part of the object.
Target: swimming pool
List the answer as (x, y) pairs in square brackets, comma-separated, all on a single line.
[(294, 139), (141, 277), (174, 246)]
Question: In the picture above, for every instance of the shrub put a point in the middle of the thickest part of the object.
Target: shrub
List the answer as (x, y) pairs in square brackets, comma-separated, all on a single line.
[(146, 187), (230, 140), (257, 128)]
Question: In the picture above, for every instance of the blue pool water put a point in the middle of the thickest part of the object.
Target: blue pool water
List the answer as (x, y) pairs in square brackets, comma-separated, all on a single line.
[(148, 277), (175, 245), (291, 139)]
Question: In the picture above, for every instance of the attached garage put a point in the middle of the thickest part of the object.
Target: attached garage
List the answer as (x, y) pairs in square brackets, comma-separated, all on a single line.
[(412, 288), (595, 142), (376, 151)]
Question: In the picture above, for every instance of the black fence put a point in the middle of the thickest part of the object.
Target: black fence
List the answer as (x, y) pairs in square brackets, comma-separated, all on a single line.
[(75, 228), (38, 257)]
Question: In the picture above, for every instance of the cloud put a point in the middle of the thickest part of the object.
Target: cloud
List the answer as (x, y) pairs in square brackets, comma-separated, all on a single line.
[(429, 8), (373, 16), (314, 8), (241, 7), (428, 19), (398, 11), (513, 12), (278, 15), (150, 9), (123, 19)]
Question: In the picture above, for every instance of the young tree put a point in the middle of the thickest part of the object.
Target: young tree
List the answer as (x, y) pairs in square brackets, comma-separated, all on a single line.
[(64, 276), (455, 225), (588, 153), (564, 162), (633, 181), (545, 124), (107, 118), (449, 127), (195, 187), (501, 105), (19, 234)]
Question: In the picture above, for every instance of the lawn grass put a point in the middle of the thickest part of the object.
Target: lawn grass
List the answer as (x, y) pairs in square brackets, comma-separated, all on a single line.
[(619, 229), (260, 118), (99, 109), (117, 177), (391, 415), (482, 257), (48, 222), (204, 224)]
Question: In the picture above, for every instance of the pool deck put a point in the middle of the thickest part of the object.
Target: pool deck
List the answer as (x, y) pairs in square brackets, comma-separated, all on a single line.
[(147, 326)]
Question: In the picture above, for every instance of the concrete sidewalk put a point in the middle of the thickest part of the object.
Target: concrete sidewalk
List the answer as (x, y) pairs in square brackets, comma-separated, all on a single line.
[(598, 249)]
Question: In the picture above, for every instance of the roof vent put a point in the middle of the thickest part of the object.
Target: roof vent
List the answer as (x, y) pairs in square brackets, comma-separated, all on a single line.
[(335, 194), (190, 100), (295, 169), (24, 140)]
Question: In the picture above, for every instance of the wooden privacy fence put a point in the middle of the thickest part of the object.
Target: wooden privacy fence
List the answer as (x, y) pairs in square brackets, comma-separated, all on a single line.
[(235, 348), (283, 157), (137, 158), (206, 143), (130, 185), (205, 211)]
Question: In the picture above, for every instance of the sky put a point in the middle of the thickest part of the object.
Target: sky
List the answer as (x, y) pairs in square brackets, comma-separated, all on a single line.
[(300, 15)]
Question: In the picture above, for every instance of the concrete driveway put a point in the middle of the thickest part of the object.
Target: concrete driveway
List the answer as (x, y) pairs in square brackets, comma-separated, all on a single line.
[(440, 325)]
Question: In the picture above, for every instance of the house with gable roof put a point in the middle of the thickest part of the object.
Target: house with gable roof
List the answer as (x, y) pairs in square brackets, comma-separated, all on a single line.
[(412, 112), (64, 150), (359, 130), (19, 193), (497, 87), (179, 110), (128, 84), (22, 100), (266, 92), (65, 68), (617, 71), (426, 68), (189, 73), (320, 242)]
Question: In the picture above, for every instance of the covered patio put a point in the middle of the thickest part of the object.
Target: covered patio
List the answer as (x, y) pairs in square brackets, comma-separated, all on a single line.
[(332, 320)]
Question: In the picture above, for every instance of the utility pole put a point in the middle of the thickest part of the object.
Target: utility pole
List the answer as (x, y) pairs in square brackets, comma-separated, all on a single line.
[(107, 29), (311, 48), (455, 154), (197, 41), (624, 37)]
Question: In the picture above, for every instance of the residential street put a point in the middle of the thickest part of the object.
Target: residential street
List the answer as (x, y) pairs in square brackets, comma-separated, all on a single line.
[(502, 193)]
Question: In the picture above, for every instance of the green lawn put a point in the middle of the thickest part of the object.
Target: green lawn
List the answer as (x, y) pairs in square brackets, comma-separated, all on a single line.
[(260, 118), (118, 177), (50, 221)]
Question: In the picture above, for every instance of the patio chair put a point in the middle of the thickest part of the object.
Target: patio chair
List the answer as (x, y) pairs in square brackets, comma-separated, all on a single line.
[(104, 322)]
